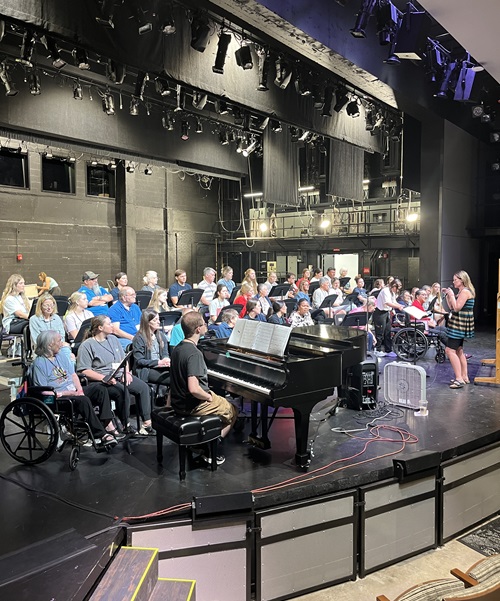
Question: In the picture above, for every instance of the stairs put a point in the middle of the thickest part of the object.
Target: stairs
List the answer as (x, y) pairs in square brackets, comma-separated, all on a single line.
[(133, 576)]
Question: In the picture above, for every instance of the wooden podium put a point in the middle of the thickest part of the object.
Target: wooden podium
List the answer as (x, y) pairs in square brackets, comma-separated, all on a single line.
[(496, 362)]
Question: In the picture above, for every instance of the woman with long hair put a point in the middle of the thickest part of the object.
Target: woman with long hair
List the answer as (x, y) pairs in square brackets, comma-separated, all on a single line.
[(14, 305), (48, 285), (278, 315), (250, 277), (303, 292), (227, 278), (219, 302), (460, 325), (99, 357), (438, 312), (159, 302), (46, 318), (245, 293), (121, 282), (77, 313)]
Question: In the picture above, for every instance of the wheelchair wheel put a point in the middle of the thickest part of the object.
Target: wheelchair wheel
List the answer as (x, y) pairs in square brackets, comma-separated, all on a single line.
[(410, 345), (440, 355), (74, 458), (29, 431)]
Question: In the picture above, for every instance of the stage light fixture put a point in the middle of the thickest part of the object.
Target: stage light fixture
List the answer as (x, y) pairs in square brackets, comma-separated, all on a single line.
[(369, 119), (199, 126), (276, 125), (387, 22), (244, 56), (115, 72), (465, 81), (220, 57), (294, 134), (352, 108), (261, 123), (446, 81), (77, 91), (71, 158), (263, 69), (167, 23), (304, 134), (27, 47), (199, 100), (237, 116), (221, 107), (162, 87), (362, 18), (134, 106), (250, 148), (131, 167), (377, 124), (185, 130), (301, 86), (140, 84), (200, 32), (81, 58), (144, 24), (53, 51), (47, 153), (106, 17), (10, 88), (495, 137), (223, 138), (23, 149), (327, 102), (411, 39), (321, 146), (239, 145), (2, 29), (318, 97), (283, 73), (34, 84), (180, 96), (436, 57), (112, 165), (108, 103), (477, 111), (341, 99), (486, 118), (148, 170), (167, 122), (263, 227), (495, 166)]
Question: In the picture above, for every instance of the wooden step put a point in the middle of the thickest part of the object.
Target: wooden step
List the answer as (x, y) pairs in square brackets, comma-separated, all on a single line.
[(174, 589), (132, 576)]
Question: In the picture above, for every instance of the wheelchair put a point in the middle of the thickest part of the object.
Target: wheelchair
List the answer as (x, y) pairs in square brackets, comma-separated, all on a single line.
[(411, 343)]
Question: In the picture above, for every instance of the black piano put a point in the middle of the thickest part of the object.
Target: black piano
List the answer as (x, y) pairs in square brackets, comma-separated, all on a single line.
[(314, 364)]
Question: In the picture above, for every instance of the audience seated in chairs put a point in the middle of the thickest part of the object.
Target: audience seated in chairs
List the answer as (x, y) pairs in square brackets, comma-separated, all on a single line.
[(226, 279), (227, 322), (278, 314), (98, 357), (253, 311), (302, 316), (77, 313), (46, 318), (159, 301), (150, 351), (97, 296), (125, 316), (150, 282), (262, 298), (303, 292), (178, 287), (218, 302), (53, 368), (245, 293), (121, 281), (14, 305)]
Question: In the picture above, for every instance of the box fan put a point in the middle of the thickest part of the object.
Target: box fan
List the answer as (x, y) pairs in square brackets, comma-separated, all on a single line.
[(404, 384)]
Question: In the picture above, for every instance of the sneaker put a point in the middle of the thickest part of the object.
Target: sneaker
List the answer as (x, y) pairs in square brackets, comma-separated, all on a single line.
[(391, 354), (220, 459), (379, 353)]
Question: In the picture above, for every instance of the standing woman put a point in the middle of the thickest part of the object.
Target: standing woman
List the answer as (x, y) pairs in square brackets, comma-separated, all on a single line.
[(121, 282), (14, 305), (49, 285), (438, 309), (460, 325)]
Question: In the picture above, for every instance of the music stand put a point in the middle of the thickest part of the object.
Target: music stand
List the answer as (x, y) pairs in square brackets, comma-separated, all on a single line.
[(120, 366), (355, 320), (328, 301), (344, 281), (233, 294), (169, 318), (226, 308), (279, 290), (190, 297)]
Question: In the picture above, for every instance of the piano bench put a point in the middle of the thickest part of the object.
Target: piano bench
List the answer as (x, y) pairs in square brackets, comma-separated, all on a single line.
[(186, 431)]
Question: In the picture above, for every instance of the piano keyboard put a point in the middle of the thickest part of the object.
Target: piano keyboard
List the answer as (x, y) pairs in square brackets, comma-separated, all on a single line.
[(243, 383)]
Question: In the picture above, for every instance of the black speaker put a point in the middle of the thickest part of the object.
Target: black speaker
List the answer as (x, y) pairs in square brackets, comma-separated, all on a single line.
[(422, 464), (361, 385), (228, 504)]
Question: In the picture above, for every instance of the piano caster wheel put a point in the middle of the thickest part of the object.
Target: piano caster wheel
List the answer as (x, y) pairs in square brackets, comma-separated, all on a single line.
[(303, 461)]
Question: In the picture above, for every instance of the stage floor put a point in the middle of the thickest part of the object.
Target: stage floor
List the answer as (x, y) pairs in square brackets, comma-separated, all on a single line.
[(37, 502)]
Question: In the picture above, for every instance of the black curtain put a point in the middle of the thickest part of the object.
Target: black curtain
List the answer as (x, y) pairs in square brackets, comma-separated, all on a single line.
[(280, 169), (346, 170)]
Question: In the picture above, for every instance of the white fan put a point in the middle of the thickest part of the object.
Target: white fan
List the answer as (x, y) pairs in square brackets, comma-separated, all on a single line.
[(404, 384)]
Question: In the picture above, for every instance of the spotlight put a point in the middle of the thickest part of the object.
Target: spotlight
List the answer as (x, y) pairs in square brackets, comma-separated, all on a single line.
[(34, 84), (140, 84), (325, 222), (148, 170), (239, 145), (478, 111), (367, 8), (220, 57), (411, 39), (71, 158), (301, 86), (94, 162), (180, 99), (168, 24), (10, 88), (283, 73), (294, 134), (112, 165), (145, 25), (185, 130), (276, 125), (238, 116), (327, 102), (377, 124), (77, 91), (495, 137), (47, 153), (263, 227), (162, 88), (486, 118), (262, 123), (167, 122), (342, 98), (387, 22), (200, 33), (106, 17), (108, 103), (23, 149), (495, 166), (263, 68), (223, 138), (318, 100), (131, 167), (221, 107), (199, 126), (27, 48), (465, 81), (250, 148), (199, 100), (352, 108), (369, 119), (115, 72), (134, 106), (244, 56), (436, 60), (304, 135), (81, 58), (446, 81), (53, 51)]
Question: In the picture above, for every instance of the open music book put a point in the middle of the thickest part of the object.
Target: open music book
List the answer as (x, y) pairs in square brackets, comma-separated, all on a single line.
[(415, 312), (260, 336)]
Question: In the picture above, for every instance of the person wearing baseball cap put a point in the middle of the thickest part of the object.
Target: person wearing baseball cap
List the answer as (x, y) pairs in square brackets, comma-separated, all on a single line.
[(97, 296)]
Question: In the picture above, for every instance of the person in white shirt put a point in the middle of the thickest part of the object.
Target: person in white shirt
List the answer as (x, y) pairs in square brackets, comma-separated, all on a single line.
[(208, 286), (317, 275), (302, 316), (386, 301), (14, 305), (272, 278), (219, 302)]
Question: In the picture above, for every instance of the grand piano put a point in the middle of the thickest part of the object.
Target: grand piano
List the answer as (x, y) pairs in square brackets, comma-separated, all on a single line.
[(315, 360)]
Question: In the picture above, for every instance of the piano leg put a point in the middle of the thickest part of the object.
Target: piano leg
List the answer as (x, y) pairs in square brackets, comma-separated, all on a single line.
[(261, 441), (302, 455)]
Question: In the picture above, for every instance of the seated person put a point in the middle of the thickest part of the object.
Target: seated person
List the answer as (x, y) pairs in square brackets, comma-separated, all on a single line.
[(254, 311), (189, 392), (14, 305), (121, 280), (243, 295), (125, 316), (77, 313), (150, 349), (150, 281), (272, 280), (218, 302), (317, 275), (302, 316), (227, 275), (347, 286), (360, 290), (303, 293), (159, 301), (226, 325), (306, 275), (421, 296), (324, 291), (98, 357), (208, 286), (290, 279), (177, 333), (278, 315), (46, 318), (97, 296), (178, 287), (52, 368), (262, 298)]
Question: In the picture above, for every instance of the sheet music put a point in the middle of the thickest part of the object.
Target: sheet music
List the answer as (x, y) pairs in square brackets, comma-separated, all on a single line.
[(260, 336), (415, 312)]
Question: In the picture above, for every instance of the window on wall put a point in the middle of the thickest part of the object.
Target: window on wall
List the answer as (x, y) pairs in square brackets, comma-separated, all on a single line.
[(13, 169), (101, 181), (58, 175)]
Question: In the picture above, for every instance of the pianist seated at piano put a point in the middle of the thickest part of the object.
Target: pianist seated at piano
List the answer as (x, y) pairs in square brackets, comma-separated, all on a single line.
[(189, 392), (227, 322), (302, 316), (278, 314), (254, 311)]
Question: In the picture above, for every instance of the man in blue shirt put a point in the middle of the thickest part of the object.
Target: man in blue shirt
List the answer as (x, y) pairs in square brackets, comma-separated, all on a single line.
[(97, 296), (125, 316)]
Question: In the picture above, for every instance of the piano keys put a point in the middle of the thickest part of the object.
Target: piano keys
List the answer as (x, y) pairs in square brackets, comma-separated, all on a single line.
[(313, 365)]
